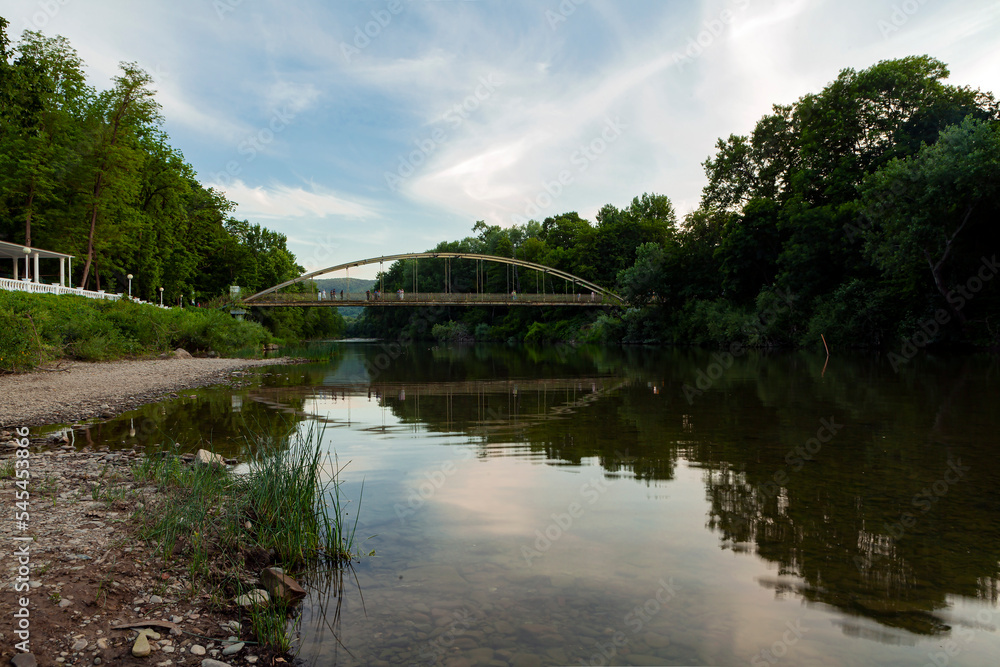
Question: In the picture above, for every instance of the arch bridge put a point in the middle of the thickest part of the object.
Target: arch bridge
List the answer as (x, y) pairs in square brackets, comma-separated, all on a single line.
[(576, 290)]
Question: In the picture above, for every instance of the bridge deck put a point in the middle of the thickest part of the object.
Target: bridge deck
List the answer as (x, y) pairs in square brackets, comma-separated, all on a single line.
[(435, 299)]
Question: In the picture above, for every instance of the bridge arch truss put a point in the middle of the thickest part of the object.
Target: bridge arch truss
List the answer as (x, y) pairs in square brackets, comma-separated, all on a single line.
[(545, 270)]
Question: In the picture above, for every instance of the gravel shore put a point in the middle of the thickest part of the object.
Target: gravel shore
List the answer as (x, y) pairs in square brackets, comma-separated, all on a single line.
[(85, 390)]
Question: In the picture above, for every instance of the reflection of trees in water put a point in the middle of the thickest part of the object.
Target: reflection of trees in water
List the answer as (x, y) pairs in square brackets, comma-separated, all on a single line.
[(218, 418), (833, 523), (880, 523), (566, 420)]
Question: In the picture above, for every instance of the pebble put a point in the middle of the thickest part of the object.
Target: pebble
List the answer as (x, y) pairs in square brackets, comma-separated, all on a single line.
[(254, 597), (197, 649), (141, 648), (79, 645), (155, 599), (233, 649), (209, 662)]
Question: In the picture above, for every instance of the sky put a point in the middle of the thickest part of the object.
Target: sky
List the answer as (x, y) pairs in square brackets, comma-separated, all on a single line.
[(362, 128)]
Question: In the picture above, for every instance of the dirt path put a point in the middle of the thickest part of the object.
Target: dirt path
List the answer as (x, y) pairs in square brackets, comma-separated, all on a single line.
[(104, 389)]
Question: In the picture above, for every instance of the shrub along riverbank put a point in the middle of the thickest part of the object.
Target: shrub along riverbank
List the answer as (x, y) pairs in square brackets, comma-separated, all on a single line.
[(37, 329)]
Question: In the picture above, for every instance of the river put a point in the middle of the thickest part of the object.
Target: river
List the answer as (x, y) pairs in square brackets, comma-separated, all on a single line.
[(638, 506)]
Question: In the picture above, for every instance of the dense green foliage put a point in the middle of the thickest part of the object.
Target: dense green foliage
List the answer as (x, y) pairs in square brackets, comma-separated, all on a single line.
[(38, 328), (90, 173), (865, 213)]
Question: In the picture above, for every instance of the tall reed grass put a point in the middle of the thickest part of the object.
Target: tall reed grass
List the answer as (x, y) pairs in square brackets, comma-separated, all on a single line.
[(287, 510)]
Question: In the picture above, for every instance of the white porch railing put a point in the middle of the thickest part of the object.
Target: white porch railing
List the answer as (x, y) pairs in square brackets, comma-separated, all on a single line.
[(40, 288)]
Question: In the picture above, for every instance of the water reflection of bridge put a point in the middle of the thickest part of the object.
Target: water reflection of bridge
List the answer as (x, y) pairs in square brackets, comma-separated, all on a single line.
[(554, 398)]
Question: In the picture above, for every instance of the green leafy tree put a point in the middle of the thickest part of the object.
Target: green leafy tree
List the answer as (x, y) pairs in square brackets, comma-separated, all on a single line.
[(937, 209), (118, 117)]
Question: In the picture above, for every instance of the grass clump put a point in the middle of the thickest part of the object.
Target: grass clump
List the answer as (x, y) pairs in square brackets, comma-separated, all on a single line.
[(286, 511)]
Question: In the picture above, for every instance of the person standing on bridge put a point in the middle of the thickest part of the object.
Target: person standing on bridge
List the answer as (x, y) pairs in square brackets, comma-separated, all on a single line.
[(368, 295)]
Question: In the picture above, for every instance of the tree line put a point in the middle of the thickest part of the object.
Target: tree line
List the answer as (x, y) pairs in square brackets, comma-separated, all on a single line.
[(91, 173), (865, 212)]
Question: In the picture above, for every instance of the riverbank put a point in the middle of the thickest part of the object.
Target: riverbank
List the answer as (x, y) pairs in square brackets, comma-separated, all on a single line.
[(92, 580), (84, 390)]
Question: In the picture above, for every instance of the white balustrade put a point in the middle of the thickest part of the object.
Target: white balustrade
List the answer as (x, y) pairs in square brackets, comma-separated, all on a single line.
[(39, 288)]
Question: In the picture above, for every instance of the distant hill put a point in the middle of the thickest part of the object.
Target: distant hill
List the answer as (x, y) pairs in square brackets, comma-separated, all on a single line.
[(358, 286)]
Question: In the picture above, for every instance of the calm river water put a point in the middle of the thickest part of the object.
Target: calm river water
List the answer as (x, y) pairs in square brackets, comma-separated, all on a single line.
[(608, 506)]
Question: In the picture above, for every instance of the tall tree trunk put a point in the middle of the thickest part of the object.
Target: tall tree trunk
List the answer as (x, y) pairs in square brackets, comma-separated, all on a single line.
[(27, 228), (90, 238), (123, 107)]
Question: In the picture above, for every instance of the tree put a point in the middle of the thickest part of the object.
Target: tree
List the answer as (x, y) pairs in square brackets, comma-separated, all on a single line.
[(645, 279), (749, 249), (40, 135), (930, 208), (118, 117)]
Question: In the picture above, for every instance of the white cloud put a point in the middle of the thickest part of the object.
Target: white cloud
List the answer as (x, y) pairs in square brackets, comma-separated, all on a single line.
[(283, 201)]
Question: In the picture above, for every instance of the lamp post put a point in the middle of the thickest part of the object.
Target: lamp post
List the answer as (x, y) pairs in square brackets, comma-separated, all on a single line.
[(129, 276), (161, 297)]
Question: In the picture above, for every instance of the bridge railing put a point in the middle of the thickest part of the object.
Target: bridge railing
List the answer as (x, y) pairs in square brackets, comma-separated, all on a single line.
[(437, 297)]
